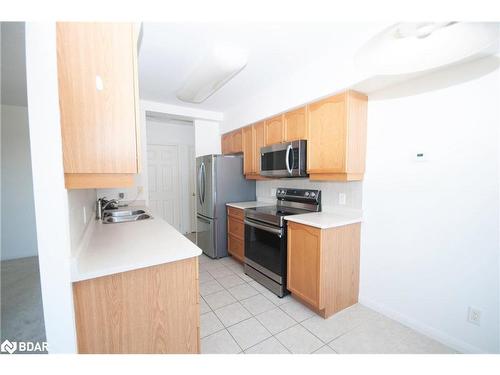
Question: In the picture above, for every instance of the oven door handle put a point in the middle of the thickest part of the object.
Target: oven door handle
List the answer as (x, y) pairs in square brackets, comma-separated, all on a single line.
[(278, 232), (287, 159)]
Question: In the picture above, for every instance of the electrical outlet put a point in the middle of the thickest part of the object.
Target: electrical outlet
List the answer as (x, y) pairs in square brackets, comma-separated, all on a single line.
[(273, 192), (342, 198), (84, 215), (474, 316)]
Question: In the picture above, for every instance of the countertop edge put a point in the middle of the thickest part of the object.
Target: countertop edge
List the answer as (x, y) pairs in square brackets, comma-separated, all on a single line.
[(134, 267)]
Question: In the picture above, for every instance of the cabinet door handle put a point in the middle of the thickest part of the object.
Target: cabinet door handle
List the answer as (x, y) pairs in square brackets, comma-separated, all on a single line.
[(99, 84)]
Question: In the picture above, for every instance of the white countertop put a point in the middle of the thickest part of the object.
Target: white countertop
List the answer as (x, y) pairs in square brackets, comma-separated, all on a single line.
[(115, 248), (325, 220), (244, 205)]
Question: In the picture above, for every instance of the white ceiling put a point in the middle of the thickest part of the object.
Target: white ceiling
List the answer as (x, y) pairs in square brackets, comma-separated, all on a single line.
[(13, 72), (169, 52)]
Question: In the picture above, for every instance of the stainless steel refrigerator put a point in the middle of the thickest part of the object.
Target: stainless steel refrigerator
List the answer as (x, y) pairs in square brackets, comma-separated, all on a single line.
[(220, 180)]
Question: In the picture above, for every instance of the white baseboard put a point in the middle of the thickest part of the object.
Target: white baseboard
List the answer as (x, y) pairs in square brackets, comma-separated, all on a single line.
[(424, 329)]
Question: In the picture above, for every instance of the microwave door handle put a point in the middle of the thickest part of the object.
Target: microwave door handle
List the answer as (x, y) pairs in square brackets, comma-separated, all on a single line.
[(287, 159)]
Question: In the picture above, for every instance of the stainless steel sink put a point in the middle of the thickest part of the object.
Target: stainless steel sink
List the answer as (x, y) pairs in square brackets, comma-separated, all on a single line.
[(120, 217), (123, 213)]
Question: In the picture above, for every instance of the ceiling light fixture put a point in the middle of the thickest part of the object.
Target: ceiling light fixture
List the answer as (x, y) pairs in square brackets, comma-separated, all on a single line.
[(212, 72), (416, 47)]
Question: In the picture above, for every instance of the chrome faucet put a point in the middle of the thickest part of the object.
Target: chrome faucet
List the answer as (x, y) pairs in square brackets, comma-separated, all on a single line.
[(101, 207)]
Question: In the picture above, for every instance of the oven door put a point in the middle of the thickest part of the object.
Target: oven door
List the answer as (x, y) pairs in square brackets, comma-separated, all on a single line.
[(284, 160), (265, 249)]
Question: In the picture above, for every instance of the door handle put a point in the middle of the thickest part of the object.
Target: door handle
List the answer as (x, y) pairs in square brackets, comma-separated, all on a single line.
[(199, 184), (287, 159), (277, 231), (204, 180)]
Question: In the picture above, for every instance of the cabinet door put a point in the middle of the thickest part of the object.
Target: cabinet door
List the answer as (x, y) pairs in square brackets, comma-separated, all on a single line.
[(237, 141), (295, 125), (274, 130), (96, 73), (259, 142), (303, 263), (248, 150), (326, 149), (226, 144)]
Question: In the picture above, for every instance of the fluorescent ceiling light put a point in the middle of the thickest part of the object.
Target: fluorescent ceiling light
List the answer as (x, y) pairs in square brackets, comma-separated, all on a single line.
[(417, 47), (212, 72)]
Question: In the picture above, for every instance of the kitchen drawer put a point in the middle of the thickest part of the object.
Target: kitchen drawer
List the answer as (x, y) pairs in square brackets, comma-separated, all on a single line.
[(236, 247), (236, 213), (235, 227)]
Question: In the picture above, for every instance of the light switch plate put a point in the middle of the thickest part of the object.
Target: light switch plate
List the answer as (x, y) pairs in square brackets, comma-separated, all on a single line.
[(342, 198)]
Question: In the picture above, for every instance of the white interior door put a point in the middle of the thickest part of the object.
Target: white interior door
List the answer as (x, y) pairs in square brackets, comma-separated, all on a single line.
[(163, 176)]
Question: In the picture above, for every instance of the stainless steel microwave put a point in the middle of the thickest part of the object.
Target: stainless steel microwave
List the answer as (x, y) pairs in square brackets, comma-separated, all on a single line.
[(284, 160)]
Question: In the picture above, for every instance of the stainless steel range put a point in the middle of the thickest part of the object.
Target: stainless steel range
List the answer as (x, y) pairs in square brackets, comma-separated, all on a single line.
[(266, 236)]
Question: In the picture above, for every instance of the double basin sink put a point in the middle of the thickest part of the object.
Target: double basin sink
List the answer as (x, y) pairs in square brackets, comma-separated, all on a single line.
[(123, 216)]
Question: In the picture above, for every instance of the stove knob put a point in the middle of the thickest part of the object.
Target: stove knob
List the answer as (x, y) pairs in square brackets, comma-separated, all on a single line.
[(306, 194), (313, 194)]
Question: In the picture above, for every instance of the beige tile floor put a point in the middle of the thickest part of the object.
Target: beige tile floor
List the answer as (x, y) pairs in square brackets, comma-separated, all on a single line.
[(239, 315)]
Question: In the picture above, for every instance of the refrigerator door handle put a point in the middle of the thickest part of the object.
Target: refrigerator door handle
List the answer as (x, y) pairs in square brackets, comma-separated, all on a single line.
[(203, 174), (199, 184)]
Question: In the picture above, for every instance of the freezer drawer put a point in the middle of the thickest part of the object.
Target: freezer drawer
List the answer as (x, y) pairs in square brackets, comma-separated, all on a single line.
[(205, 235)]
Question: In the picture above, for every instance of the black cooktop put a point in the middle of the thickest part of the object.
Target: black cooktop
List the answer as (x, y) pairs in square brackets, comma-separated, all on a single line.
[(272, 214)]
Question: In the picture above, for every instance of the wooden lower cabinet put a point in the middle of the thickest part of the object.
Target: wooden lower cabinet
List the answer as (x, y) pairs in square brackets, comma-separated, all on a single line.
[(236, 233), (148, 310), (323, 266)]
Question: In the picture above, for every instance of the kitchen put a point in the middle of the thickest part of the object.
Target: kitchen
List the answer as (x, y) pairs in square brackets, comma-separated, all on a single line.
[(298, 245)]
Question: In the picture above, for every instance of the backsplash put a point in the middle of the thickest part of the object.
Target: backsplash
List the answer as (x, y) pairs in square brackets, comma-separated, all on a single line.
[(79, 201), (266, 190)]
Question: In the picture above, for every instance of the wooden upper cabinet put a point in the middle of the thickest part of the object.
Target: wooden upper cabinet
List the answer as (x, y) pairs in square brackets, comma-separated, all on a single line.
[(248, 150), (97, 73), (337, 137), (274, 132), (259, 137), (226, 143), (295, 125), (232, 142), (237, 141)]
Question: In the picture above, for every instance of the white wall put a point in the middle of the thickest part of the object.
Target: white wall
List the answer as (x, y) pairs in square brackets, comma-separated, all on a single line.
[(18, 212), (50, 196), (207, 137), (430, 240)]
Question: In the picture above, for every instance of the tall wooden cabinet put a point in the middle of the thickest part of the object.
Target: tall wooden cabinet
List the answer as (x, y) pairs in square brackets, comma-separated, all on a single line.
[(323, 266), (336, 146), (98, 98)]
